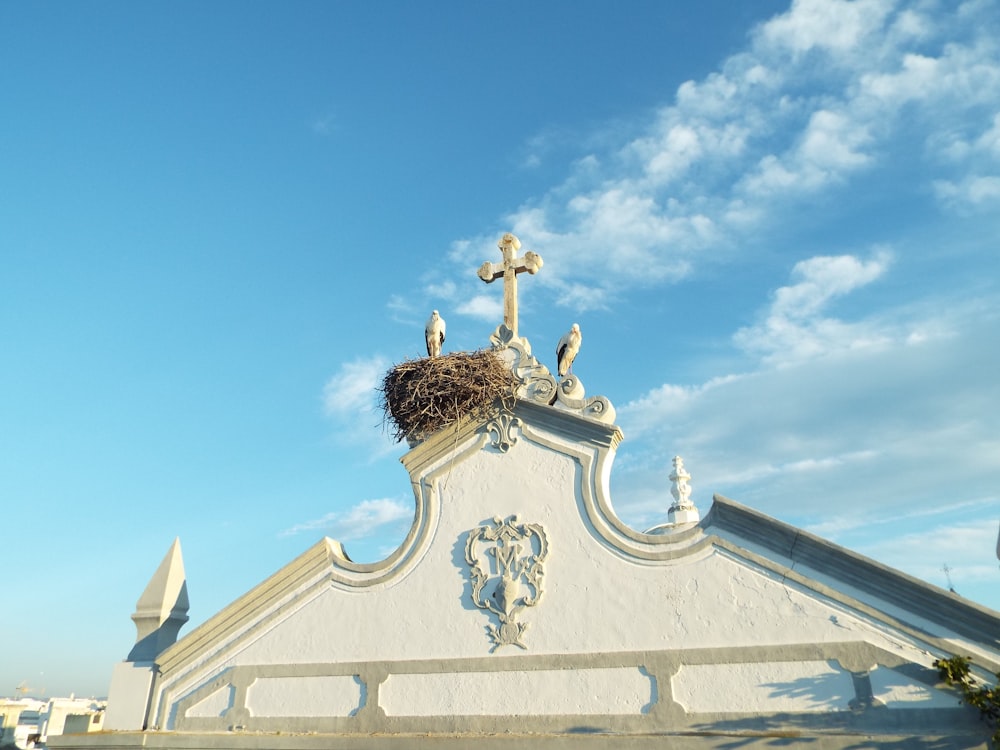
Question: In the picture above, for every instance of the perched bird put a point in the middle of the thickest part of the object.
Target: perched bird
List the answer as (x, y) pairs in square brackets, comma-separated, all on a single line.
[(567, 349), (434, 334)]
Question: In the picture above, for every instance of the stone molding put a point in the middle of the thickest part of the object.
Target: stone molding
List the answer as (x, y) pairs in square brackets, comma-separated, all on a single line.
[(825, 559), (854, 659), (846, 734)]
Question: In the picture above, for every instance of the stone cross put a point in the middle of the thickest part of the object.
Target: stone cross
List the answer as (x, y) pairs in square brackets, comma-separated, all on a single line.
[(508, 270)]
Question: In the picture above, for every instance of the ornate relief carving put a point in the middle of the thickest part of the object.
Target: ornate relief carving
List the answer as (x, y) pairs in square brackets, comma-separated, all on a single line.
[(506, 568), (502, 337), (533, 381), (502, 431)]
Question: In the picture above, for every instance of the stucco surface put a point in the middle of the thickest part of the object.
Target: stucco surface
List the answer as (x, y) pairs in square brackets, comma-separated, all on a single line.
[(763, 687), (304, 696), (621, 630), (520, 693), (593, 598)]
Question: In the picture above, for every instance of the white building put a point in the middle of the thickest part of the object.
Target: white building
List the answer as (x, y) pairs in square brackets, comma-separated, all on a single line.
[(521, 611), (29, 722)]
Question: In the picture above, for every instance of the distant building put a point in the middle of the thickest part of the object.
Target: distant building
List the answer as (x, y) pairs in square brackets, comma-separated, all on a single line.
[(28, 722)]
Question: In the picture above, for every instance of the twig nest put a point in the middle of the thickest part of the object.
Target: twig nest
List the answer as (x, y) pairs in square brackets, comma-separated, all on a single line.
[(422, 396)]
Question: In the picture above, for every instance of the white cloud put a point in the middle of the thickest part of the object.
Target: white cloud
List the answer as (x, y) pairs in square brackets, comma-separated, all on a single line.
[(822, 278), (351, 399), (859, 427), (353, 389), (971, 193), (824, 95), (967, 548), (581, 297), (831, 142), (666, 402), (446, 290), (483, 307), (833, 527), (669, 156), (829, 149), (989, 141), (838, 26), (366, 519), (793, 329), (917, 78)]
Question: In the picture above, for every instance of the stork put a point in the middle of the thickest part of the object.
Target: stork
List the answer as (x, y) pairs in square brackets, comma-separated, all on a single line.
[(567, 349), (434, 334)]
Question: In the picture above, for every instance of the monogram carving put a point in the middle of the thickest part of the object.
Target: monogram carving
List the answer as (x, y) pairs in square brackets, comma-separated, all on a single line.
[(506, 564)]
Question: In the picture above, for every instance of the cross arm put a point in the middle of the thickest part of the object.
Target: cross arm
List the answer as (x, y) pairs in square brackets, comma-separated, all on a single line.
[(490, 272), (531, 262)]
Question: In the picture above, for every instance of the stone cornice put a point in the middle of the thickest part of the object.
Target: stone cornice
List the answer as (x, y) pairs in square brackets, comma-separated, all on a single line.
[(309, 570), (863, 574)]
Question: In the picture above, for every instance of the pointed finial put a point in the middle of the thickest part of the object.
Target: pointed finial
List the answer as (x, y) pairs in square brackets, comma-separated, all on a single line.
[(162, 608)]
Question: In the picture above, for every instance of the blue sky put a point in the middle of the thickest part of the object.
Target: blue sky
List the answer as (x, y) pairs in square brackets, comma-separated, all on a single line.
[(221, 223)]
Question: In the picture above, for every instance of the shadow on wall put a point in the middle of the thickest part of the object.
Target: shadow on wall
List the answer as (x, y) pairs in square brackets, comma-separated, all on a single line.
[(152, 645), (879, 727), (915, 728), (462, 569), (826, 689)]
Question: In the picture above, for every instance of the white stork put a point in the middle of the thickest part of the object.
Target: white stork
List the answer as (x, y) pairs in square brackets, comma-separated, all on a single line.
[(567, 349), (434, 334)]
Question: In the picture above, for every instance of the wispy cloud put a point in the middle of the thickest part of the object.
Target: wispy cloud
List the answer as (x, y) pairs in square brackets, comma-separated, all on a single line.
[(833, 527), (823, 94), (366, 519), (353, 389), (838, 27), (830, 403), (793, 327), (483, 307), (351, 399), (967, 548), (324, 124), (856, 426)]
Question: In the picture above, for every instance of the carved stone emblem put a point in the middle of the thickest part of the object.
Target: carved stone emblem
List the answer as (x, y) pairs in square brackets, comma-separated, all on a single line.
[(502, 431), (506, 568)]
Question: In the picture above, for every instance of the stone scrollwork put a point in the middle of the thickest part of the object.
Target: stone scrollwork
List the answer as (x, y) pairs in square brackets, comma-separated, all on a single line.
[(571, 396), (506, 568), (534, 382)]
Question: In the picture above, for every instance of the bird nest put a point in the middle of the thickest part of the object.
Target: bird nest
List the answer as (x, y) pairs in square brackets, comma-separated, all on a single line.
[(421, 396)]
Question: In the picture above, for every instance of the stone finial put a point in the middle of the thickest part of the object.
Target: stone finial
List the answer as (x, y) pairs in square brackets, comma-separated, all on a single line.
[(162, 608), (682, 510)]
